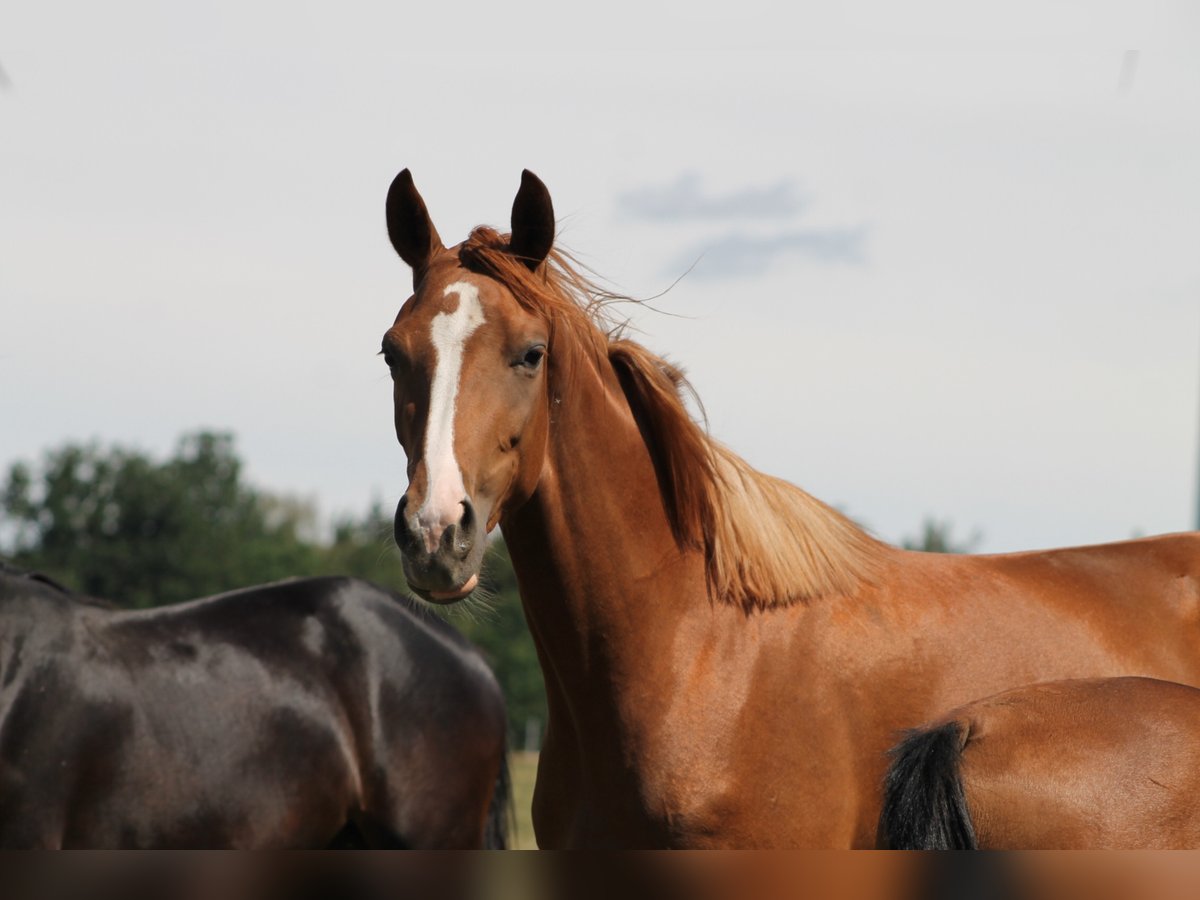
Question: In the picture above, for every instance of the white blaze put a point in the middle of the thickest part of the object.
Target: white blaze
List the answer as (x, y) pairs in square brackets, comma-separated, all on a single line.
[(444, 489)]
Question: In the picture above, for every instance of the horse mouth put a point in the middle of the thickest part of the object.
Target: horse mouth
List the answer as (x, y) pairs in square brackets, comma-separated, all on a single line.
[(450, 596)]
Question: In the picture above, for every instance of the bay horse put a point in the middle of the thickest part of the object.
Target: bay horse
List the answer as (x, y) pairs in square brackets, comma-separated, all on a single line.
[(299, 714), (1108, 763), (727, 659)]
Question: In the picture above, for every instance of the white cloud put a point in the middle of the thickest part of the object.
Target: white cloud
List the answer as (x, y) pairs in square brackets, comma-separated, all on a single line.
[(739, 254), (685, 198)]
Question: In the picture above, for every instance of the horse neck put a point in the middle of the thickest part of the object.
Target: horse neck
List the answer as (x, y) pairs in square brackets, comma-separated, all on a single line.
[(604, 584)]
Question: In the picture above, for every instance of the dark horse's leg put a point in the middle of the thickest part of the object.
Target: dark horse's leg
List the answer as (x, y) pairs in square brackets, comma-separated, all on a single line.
[(500, 812)]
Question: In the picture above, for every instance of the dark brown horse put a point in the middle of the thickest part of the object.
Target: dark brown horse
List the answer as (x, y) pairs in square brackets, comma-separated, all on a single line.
[(1109, 763), (727, 659), (292, 715)]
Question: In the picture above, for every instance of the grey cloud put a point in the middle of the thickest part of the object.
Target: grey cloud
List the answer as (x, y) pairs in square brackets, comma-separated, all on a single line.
[(685, 199), (739, 255)]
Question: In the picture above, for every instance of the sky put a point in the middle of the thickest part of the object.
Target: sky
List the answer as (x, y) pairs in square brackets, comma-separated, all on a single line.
[(926, 260)]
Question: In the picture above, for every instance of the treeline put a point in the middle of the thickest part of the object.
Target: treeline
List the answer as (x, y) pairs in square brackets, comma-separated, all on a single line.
[(115, 523)]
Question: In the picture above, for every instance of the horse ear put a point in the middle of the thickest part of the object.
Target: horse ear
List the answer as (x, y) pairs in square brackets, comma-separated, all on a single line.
[(532, 221), (409, 226)]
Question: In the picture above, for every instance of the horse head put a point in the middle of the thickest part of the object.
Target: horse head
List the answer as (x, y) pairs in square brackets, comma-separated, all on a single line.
[(468, 362)]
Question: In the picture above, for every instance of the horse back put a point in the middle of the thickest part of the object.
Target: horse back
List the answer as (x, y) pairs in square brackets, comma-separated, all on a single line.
[(1157, 576), (990, 622)]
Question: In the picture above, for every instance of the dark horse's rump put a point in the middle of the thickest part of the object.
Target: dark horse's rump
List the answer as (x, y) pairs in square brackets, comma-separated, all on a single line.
[(266, 717)]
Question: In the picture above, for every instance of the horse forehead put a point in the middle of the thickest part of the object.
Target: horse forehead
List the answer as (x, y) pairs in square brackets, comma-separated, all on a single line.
[(447, 293), (464, 297)]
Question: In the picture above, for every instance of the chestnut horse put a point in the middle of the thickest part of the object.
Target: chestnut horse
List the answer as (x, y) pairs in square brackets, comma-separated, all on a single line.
[(298, 714), (727, 659), (1107, 763)]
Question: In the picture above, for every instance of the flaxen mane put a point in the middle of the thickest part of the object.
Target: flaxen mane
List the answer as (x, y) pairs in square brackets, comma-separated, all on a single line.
[(767, 543)]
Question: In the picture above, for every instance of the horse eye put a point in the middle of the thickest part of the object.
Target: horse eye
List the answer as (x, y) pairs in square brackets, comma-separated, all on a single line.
[(533, 356), (393, 358)]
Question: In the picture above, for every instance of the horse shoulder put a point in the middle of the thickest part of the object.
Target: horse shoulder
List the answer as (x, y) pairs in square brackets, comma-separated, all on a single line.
[(711, 761)]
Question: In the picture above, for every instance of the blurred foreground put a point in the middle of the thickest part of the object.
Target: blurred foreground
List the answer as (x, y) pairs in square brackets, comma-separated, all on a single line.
[(583, 876)]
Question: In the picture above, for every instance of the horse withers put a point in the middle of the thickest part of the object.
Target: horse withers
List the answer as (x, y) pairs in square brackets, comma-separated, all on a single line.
[(1111, 763), (300, 714)]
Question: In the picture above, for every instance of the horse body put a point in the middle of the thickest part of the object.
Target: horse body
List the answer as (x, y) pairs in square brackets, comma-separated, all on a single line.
[(727, 659), (1109, 763), (263, 718), (679, 719)]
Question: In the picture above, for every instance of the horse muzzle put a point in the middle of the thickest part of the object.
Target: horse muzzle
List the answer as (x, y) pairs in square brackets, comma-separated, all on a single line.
[(441, 559)]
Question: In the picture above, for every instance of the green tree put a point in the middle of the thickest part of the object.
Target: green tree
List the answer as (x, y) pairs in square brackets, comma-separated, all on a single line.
[(364, 548), (114, 523), (936, 537)]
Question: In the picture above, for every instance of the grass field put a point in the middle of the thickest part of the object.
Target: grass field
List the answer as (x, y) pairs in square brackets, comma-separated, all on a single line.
[(523, 768)]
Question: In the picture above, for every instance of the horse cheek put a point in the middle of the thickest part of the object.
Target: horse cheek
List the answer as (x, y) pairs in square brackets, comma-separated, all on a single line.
[(530, 454)]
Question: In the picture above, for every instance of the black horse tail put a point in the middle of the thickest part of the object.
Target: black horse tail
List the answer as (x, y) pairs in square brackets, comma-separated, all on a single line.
[(924, 806), (500, 818)]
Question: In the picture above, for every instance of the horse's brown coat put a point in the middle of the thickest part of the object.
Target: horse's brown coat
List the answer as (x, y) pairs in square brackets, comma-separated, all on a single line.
[(1111, 763), (689, 706)]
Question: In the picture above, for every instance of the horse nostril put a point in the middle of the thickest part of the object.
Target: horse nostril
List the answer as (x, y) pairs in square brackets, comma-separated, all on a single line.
[(459, 538), (401, 532)]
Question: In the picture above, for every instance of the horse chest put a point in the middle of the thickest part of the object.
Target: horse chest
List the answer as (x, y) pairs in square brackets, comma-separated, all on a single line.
[(738, 757)]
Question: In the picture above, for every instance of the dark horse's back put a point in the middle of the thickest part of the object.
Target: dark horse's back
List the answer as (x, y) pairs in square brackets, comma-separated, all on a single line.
[(278, 716)]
